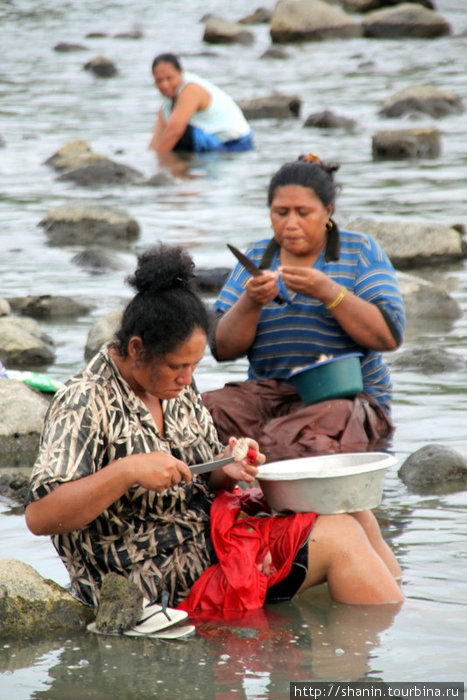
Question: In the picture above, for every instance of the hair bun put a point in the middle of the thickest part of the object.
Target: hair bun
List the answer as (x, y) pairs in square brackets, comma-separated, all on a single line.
[(314, 159), (311, 158), (162, 268)]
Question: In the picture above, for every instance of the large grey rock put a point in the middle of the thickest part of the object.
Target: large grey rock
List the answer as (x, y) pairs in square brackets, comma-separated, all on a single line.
[(310, 20), (89, 223), (406, 143), (22, 412), (220, 31), (101, 332), (274, 106), (434, 469), (422, 99), (406, 20), (24, 344), (426, 302), (412, 243), (33, 606), (48, 306)]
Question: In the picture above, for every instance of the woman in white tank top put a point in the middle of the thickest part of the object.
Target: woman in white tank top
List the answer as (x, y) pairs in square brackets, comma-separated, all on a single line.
[(195, 114)]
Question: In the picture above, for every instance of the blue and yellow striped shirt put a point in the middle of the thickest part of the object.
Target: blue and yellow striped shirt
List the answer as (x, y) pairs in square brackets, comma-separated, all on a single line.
[(295, 334)]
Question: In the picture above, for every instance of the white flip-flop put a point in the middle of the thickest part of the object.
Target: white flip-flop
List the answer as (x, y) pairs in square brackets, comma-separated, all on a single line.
[(175, 632), (154, 618)]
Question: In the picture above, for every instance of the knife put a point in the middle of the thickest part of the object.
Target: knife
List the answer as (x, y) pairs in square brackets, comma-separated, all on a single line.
[(250, 267), (210, 466), (216, 463)]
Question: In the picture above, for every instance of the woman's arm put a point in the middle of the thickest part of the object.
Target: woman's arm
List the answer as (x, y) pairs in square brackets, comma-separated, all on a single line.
[(236, 330), (158, 129), (191, 99), (360, 319), (74, 504)]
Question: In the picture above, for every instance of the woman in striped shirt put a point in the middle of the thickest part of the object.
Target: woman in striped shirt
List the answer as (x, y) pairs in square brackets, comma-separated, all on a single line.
[(341, 296)]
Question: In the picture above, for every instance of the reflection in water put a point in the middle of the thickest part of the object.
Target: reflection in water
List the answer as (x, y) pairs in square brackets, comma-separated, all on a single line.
[(254, 655)]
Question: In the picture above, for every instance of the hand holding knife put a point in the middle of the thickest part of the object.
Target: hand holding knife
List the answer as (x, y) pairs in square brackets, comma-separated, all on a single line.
[(250, 267)]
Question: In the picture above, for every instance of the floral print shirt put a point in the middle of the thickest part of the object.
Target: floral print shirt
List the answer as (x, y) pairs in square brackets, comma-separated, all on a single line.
[(159, 541)]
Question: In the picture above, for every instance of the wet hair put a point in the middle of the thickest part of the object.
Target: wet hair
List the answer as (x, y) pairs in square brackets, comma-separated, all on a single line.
[(166, 308), (167, 58), (308, 171)]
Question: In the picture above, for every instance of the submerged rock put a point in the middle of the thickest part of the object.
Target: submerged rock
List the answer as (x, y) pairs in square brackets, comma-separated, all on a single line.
[(422, 99), (98, 260), (405, 20), (368, 5), (102, 67), (429, 360), (435, 469), (275, 52), (329, 120), (67, 46), (102, 171)]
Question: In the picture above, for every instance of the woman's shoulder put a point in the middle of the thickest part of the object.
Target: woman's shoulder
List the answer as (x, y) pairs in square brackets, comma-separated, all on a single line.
[(257, 248), (359, 240)]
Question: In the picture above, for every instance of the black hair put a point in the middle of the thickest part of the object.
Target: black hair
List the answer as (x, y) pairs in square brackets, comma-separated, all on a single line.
[(313, 174), (166, 308), (167, 58)]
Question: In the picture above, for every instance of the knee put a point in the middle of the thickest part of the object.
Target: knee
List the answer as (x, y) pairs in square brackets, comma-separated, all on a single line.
[(368, 521), (338, 530)]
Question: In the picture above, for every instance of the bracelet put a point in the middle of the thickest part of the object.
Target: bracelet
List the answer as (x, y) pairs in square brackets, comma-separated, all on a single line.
[(338, 299)]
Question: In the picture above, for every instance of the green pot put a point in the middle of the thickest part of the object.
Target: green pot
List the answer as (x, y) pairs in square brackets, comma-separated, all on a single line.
[(338, 377)]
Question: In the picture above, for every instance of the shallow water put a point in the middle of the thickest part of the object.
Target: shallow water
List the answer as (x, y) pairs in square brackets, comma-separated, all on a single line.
[(47, 100)]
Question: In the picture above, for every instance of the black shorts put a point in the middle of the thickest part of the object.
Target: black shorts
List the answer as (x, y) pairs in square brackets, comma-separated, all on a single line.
[(290, 585)]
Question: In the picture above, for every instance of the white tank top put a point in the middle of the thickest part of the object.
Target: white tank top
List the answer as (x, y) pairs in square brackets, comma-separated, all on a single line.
[(222, 118)]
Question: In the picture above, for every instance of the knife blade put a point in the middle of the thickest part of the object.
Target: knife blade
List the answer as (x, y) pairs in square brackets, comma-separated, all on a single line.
[(210, 466), (250, 267)]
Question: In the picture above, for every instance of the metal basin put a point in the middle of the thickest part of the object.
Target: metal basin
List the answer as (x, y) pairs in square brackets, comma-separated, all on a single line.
[(337, 483)]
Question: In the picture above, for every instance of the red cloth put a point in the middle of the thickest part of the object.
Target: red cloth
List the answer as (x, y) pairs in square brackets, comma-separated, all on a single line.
[(254, 553)]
